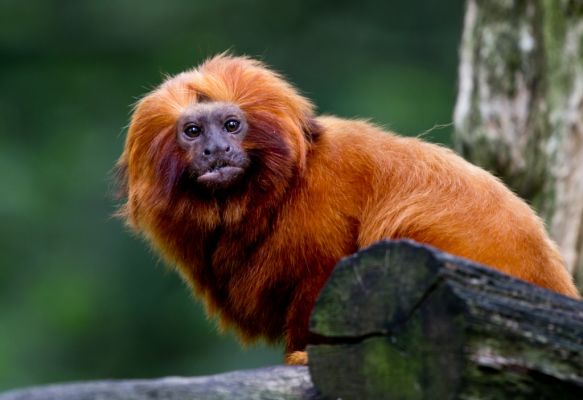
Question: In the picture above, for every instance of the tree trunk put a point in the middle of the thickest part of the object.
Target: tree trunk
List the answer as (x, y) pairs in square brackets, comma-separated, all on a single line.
[(519, 108)]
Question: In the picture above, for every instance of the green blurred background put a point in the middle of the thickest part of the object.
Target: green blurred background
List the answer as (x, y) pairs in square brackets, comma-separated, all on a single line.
[(80, 297)]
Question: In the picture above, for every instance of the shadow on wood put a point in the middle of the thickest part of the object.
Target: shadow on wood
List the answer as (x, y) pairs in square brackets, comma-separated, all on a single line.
[(406, 321)]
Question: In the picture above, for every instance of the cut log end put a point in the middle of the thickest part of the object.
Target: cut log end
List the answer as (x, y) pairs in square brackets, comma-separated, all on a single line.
[(408, 321)]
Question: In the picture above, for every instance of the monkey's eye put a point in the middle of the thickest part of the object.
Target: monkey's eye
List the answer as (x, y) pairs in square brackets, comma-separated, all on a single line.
[(232, 125), (192, 131)]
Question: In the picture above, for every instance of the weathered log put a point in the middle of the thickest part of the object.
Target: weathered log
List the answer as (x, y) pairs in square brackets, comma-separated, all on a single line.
[(406, 321), (266, 383)]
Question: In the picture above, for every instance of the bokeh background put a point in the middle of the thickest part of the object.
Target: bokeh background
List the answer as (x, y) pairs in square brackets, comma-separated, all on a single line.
[(80, 297)]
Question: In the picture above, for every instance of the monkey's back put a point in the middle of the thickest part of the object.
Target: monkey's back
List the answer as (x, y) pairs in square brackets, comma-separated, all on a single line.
[(407, 188)]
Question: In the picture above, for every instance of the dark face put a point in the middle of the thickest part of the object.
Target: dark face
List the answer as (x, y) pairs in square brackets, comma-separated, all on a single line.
[(212, 134)]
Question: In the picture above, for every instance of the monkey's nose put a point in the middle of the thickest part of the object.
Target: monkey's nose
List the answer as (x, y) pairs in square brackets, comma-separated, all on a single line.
[(216, 148)]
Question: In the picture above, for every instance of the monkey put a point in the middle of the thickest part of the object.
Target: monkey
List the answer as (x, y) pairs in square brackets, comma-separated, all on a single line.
[(234, 180)]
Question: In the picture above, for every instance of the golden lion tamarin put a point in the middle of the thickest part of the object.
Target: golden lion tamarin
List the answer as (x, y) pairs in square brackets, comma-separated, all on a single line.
[(234, 180)]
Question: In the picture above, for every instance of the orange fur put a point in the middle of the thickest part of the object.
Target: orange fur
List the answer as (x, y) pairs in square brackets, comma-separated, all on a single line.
[(319, 188)]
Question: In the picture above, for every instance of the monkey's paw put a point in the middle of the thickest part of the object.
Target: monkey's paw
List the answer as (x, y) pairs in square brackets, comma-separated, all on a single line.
[(296, 358)]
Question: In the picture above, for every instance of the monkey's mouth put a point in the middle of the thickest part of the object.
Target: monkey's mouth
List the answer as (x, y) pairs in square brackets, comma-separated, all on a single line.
[(220, 173)]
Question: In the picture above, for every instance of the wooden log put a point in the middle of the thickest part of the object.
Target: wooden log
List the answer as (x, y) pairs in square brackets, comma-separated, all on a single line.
[(266, 383), (406, 321)]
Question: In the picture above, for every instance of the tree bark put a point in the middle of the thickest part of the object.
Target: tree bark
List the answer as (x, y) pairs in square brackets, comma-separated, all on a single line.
[(402, 320), (519, 111)]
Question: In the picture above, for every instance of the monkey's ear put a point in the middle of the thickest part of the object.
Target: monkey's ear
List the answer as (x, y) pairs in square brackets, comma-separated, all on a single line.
[(312, 130)]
